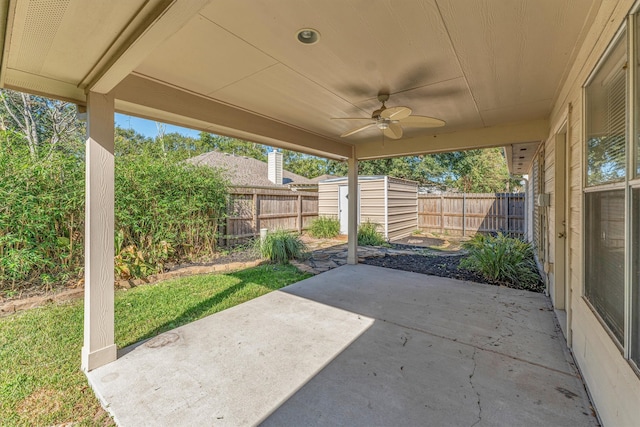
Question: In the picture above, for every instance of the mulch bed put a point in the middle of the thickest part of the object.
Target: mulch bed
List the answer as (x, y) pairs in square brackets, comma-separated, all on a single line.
[(437, 265)]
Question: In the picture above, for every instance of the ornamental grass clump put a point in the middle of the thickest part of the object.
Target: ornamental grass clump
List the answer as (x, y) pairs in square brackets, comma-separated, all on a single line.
[(281, 246), (368, 234), (504, 260), (325, 227)]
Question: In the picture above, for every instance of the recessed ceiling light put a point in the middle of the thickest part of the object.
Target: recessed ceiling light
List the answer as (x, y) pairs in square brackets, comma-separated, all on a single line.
[(308, 36)]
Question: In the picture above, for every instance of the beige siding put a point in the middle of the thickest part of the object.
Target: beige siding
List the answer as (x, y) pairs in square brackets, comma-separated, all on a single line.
[(402, 204), (402, 209), (372, 202), (328, 199), (612, 383)]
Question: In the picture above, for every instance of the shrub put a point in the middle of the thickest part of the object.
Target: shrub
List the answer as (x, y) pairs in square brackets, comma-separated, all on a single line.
[(41, 216), (164, 210), (368, 234), (281, 246), (325, 227), (503, 259), (161, 202)]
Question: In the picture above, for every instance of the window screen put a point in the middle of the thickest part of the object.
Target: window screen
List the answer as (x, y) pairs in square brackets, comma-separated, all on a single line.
[(606, 119), (604, 257)]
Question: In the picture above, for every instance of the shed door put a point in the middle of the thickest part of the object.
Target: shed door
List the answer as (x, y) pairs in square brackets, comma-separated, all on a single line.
[(343, 208)]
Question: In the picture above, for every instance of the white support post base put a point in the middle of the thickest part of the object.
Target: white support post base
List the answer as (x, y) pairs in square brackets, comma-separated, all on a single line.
[(99, 343), (352, 246)]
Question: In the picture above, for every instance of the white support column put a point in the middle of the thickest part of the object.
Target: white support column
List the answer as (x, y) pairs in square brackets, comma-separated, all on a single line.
[(99, 344), (352, 252)]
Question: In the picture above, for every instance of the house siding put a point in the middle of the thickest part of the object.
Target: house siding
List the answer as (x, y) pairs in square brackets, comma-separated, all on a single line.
[(612, 383)]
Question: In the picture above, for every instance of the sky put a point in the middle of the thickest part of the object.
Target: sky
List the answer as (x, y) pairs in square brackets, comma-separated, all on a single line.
[(148, 127)]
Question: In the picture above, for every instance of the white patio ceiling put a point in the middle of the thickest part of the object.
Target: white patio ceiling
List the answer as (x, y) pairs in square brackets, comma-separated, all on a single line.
[(491, 69)]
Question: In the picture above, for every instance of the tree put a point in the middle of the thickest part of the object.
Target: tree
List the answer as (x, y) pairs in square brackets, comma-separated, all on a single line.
[(209, 142), (477, 171), (303, 164), (46, 124)]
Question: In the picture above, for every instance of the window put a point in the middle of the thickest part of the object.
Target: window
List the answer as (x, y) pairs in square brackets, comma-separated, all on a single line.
[(606, 146), (635, 289), (604, 267), (606, 119)]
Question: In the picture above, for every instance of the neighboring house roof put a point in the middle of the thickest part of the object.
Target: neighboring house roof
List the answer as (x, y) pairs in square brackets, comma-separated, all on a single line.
[(246, 171)]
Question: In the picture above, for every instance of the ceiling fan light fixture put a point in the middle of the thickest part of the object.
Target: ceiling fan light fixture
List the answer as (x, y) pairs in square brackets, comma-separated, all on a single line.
[(308, 36), (382, 124)]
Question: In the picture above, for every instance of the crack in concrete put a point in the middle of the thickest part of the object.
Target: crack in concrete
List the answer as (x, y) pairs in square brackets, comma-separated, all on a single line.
[(478, 347), (498, 340), (475, 365)]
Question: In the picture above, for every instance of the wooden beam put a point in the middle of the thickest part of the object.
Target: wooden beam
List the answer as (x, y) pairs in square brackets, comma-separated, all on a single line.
[(154, 23), (214, 116), (99, 345), (494, 136)]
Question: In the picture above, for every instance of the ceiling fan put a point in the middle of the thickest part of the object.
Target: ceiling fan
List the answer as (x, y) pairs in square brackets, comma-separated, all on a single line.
[(391, 120)]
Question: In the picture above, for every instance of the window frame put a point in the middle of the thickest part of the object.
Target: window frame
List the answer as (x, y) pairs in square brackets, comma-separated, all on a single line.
[(626, 34)]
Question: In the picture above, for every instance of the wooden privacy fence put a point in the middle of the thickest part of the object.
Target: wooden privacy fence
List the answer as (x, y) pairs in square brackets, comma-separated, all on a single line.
[(251, 209), (467, 214)]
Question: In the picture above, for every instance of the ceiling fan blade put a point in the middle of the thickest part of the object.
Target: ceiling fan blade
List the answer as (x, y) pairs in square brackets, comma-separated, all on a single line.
[(396, 113), (394, 131), (422, 122), (350, 118), (356, 130)]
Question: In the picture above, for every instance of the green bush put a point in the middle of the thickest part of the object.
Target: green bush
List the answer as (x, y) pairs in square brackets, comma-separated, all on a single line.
[(41, 215), (325, 227), (164, 210), (160, 202), (281, 246), (368, 234), (503, 259)]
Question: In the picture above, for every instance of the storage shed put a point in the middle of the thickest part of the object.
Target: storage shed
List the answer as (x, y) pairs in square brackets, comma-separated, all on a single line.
[(390, 202)]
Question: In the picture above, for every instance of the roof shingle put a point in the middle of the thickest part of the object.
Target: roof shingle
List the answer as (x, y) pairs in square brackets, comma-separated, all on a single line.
[(246, 171)]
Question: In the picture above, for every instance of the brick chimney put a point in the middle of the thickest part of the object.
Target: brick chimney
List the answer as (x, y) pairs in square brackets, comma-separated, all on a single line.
[(275, 167)]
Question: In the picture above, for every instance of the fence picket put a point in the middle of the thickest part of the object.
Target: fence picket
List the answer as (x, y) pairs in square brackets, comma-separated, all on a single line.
[(468, 214)]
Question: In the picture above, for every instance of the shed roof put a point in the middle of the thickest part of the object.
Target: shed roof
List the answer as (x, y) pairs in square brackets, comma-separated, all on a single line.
[(246, 171), (370, 178)]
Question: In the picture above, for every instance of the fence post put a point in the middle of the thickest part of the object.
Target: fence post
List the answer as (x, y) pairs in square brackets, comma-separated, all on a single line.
[(508, 227), (256, 227), (442, 214), (299, 213), (464, 218)]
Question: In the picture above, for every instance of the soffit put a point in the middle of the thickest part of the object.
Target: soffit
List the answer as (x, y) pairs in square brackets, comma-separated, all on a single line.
[(64, 39), (472, 64), (520, 156)]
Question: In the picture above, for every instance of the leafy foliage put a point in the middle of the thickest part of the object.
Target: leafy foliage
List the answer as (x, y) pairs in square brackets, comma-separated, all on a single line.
[(42, 215), (503, 259), (325, 227), (368, 234), (166, 209), (281, 246)]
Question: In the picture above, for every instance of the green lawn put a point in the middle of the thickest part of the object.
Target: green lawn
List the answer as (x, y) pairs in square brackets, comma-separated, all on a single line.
[(40, 378)]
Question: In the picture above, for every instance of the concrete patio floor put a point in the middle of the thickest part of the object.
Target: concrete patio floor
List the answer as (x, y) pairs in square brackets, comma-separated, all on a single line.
[(358, 346)]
